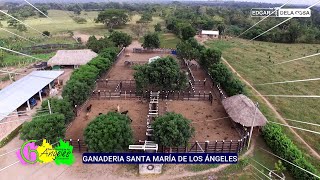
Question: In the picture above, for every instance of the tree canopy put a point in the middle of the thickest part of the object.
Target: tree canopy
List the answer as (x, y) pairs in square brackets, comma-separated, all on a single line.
[(187, 32), (109, 133), (151, 41), (98, 45), (113, 18), (162, 74), (172, 130), (120, 39), (50, 127), (60, 106)]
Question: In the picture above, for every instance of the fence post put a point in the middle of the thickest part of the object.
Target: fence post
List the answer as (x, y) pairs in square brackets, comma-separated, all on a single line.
[(222, 146), (130, 93), (206, 146), (99, 94), (230, 145), (189, 96), (105, 93), (109, 94), (215, 146), (70, 142), (172, 95), (204, 95), (178, 95), (199, 96), (238, 146), (79, 145)]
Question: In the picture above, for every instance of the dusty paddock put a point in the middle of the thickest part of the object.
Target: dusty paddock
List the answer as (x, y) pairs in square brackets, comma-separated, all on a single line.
[(208, 120), (137, 112)]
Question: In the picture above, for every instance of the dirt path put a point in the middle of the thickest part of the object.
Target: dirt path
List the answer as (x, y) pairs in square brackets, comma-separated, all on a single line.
[(310, 149)]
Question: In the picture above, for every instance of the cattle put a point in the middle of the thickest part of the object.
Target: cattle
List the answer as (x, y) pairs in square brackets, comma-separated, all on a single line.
[(89, 108)]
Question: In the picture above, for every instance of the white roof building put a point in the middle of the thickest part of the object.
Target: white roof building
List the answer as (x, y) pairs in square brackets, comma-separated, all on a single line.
[(212, 33), (72, 57), (19, 92)]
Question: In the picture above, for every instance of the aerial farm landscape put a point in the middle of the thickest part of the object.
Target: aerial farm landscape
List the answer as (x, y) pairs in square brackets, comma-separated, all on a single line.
[(164, 77)]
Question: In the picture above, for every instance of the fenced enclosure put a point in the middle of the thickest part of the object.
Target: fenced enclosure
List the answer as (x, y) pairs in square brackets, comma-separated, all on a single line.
[(159, 50), (228, 146), (164, 95)]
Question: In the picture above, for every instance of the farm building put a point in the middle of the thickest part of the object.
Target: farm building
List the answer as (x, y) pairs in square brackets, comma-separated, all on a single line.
[(22, 92), (243, 111), (74, 58), (212, 34)]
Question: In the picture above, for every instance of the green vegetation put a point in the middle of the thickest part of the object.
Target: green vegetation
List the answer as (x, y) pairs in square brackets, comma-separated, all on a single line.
[(12, 135), (82, 80), (120, 39), (283, 147), (162, 74), (151, 41), (60, 106), (113, 18), (201, 167), (172, 130), (109, 133), (257, 65), (51, 127), (15, 60), (98, 45)]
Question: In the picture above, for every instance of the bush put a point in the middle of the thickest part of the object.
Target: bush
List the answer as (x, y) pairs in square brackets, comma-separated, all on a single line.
[(151, 41), (51, 127), (60, 106), (162, 74), (46, 33), (82, 80), (284, 147), (222, 75), (172, 130), (79, 20), (109, 133)]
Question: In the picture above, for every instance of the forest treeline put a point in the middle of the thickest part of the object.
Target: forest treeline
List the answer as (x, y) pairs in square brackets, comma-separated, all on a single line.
[(229, 18)]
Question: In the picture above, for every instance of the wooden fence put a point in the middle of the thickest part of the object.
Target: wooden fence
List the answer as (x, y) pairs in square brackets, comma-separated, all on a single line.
[(164, 95), (224, 146), (160, 50)]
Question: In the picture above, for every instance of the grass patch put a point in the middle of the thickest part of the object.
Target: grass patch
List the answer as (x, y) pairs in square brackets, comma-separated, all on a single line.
[(16, 60), (200, 167), (168, 40), (220, 44), (12, 135), (255, 62)]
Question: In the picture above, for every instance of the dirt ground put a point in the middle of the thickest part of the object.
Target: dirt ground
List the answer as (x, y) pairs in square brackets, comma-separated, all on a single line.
[(84, 37), (122, 72), (137, 112), (210, 122)]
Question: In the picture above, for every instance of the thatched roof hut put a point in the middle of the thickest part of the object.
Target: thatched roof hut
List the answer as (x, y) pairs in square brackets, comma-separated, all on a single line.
[(241, 110), (72, 57)]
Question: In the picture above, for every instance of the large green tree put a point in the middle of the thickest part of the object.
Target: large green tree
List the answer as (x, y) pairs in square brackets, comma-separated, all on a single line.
[(172, 130), (120, 39), (97, 45), (189, 49), (162, 74), (109, 133), (187, 32), (60, 106), (50, 127), (151, 41), (209, 57), (113, 18)]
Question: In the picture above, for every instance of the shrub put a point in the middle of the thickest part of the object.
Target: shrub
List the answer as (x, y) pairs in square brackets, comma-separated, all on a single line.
[(172, 130), (51, 127), (284, 147), (109, 133), (60, 106)]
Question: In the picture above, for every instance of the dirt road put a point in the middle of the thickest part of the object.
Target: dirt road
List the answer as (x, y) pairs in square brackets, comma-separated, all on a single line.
[(310, 149)]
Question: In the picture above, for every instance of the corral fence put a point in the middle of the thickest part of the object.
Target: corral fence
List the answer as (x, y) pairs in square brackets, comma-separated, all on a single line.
[(78, 109), (164, 95), (158, 50), (224, 146)]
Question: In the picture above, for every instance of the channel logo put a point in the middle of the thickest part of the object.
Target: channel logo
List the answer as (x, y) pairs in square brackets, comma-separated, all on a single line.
[(280, 12)]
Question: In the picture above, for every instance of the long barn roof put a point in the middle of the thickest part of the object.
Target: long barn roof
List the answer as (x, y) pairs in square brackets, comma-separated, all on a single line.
[(19, 92)]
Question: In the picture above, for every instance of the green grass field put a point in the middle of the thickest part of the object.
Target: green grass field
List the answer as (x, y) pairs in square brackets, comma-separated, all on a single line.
[(255, 62)]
